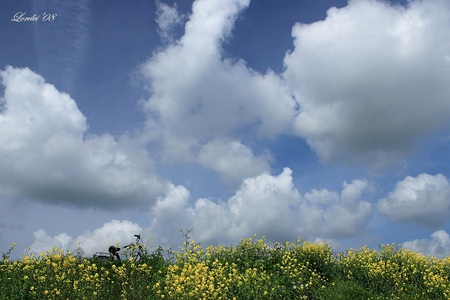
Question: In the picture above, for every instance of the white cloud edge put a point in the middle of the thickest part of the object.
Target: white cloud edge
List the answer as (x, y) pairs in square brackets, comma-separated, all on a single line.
[(438, 245)]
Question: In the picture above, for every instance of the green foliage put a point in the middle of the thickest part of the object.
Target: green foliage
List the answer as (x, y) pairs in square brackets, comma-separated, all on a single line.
[(253, 269)]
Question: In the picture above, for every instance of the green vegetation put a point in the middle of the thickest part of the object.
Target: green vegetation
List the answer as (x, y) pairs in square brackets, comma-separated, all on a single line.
[(253, 269)]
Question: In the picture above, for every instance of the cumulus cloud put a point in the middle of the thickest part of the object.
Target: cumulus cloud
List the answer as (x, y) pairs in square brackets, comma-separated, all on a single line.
[(329, 214), (424, 199), (438, 245), (233, 160), (44, 243), (46, 154), (197, 94), (110, 233), (266, 205), (365, 83), (371, 79), (99, 240)]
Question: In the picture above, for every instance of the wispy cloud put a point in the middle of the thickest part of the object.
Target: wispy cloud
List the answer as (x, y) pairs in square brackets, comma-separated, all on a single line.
[(168, 20), (61, 44)]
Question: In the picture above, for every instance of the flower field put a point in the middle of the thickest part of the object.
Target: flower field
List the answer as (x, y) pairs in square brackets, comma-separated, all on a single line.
[(253, 269)]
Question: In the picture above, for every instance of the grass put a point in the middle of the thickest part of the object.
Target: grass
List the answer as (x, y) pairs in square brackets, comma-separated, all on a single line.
[(253, 269)]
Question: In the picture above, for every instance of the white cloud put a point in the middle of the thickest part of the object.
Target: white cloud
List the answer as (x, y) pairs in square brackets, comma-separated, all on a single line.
[(263, 205), (99, 240), (198, 95), (44, 243), (110, 233), (328, 214), (266, 205), (167, 18), (45, 154), (169, 215), (371, 79), (438, 245), (233, 160), (424, 199)]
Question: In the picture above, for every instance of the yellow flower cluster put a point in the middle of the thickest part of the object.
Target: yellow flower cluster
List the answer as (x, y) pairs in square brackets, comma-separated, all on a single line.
[(253, 269), (398, 271), (195, 281), (60, 275)]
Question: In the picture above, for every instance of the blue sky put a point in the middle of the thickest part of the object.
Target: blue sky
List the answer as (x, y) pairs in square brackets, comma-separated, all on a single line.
[(325, 120)]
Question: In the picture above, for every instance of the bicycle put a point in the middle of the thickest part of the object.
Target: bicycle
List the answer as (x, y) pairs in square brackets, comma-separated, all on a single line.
[(113, 251), (136, 248)]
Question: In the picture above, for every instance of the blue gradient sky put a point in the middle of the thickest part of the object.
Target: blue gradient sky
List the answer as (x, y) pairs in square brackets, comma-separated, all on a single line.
[(326, 120)]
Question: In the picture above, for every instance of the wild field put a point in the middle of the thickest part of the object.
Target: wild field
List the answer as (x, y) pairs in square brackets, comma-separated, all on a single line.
[(252, 269)]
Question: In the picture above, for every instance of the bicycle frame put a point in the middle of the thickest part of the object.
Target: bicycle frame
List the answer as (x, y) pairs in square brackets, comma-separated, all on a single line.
[(136, 248), (113, 252)]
